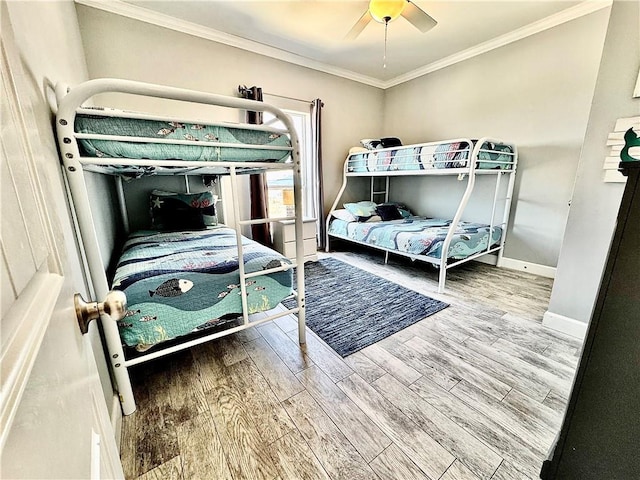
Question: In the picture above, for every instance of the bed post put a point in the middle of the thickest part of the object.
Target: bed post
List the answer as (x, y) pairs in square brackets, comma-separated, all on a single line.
[(335, 203), (123, 205), (456, 218), (299, 226), (507, 207), (238, 226), (88, 238)]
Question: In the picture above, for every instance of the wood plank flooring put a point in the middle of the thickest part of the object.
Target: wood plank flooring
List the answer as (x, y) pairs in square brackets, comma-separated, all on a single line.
[(476, 391)]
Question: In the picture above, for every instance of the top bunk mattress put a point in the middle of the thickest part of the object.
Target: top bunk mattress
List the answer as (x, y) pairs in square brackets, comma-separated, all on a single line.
[(172, 140), (430, 156)]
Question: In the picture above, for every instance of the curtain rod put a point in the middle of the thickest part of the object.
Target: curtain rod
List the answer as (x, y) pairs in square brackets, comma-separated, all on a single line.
[(243, 88), (287, 98)]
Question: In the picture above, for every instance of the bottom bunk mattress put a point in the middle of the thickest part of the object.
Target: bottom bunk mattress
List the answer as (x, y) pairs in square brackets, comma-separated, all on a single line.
[(180, 282), (419, 236)]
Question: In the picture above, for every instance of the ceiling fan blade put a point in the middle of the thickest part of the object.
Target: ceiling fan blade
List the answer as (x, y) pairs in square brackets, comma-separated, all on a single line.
[(418, 18), (359, 26)]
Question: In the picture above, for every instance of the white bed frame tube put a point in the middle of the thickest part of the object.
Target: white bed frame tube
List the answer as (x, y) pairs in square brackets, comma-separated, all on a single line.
[(123, 205), (345, 170), (507, 205), (65, 120), (89, 240), (496, 191), (299, 213), (471, 181), (238, 227)]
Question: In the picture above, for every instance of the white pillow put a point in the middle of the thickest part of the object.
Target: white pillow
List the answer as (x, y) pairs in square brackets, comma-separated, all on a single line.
[(354, 150), (343, 214)]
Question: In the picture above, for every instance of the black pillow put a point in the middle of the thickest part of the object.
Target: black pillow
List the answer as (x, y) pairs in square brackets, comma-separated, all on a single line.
[(388, 212), (172, 211), (389, 142)]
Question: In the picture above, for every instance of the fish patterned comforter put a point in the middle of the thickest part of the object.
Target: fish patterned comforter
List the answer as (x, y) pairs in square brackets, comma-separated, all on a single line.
[(205, 140), (180, 282), (419, 235)]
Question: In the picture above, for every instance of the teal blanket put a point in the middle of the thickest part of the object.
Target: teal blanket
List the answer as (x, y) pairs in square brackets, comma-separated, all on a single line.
[(203, 134), (419, 236), (179, 282)]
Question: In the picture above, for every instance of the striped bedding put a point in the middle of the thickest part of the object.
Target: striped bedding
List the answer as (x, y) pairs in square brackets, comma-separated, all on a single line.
[(237, 140), (419, 235), (431, 156)]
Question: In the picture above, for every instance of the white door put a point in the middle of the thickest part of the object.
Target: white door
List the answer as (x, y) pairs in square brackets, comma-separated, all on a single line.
[(54, 421)]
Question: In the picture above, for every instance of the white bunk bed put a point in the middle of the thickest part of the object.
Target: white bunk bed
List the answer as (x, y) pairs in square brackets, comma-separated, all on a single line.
[(467, 159), (219, 156)]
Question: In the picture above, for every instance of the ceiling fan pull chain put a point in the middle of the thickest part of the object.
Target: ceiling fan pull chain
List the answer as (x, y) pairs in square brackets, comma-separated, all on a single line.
[(386, 27)]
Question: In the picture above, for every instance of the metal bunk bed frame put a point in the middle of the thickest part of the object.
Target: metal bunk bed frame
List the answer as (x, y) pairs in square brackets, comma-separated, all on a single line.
[(67, 105), (470, 172)]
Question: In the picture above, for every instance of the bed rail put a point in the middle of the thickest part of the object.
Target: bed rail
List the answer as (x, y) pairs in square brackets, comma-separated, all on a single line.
[(69, 101)]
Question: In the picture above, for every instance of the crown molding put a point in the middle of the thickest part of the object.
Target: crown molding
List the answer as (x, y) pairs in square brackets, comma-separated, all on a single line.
[(135, 12), (161, 20), (584, 8)]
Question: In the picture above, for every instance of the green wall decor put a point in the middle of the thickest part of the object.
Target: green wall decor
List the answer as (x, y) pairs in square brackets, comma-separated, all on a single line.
[(630, 140)]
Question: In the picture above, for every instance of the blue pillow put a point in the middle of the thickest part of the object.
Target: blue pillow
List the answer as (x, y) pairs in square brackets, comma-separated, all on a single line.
[(361, 210), (405, 213)]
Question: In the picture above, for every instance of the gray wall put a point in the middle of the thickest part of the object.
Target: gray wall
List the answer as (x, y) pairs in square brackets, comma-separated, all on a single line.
[(125, 48), (535, 92), (595, 204)]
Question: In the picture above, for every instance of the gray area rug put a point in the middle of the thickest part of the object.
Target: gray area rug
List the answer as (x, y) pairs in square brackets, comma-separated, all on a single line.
[(351, 309)]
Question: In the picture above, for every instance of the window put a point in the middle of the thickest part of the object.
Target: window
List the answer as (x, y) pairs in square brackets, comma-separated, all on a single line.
[(280, 183)]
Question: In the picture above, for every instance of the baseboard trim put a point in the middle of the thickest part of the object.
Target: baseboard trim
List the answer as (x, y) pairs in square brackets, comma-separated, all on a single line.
[(534, 268), (488, 259), (566, 325), (513, 264)]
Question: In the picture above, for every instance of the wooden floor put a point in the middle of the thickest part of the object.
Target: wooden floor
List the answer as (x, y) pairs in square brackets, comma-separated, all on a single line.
[(476, 391)]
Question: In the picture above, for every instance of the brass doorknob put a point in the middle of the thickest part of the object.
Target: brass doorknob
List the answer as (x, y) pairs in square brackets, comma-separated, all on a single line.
[(114, 305)]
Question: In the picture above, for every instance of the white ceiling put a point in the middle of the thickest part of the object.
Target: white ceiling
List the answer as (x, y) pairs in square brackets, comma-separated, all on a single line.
[(311, 32)]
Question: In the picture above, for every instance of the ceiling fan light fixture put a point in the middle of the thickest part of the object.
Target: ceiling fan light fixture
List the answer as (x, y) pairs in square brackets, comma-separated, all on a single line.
[(384, 11)]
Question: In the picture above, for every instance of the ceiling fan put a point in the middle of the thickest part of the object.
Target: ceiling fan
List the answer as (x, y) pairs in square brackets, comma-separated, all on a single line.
[(385, 11)]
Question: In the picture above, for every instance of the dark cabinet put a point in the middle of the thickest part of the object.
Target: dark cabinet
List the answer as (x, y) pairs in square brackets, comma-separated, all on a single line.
[(600, 435)]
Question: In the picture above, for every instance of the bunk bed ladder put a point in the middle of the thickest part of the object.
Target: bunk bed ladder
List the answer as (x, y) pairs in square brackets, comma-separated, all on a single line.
[(376, 193), (244, 276)]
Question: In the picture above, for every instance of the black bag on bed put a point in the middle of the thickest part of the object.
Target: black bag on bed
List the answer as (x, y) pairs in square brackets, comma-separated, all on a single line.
[(390, 142)]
